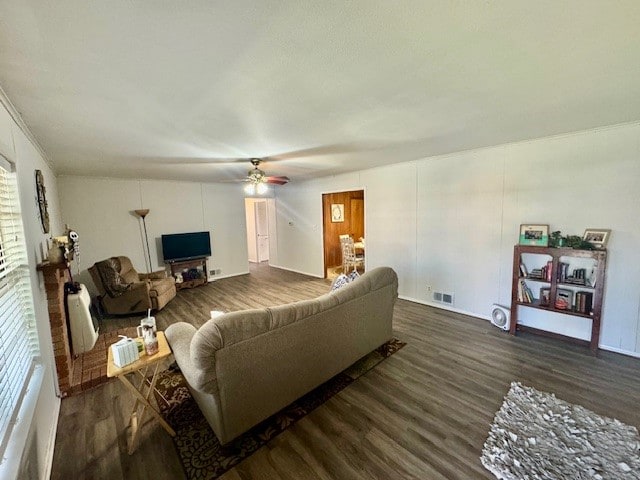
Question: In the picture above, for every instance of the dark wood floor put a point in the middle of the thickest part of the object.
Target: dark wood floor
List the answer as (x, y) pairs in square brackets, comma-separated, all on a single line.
[(422, 414)]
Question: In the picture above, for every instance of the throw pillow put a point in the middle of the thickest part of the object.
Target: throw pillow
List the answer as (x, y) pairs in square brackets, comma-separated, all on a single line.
[(111, 279), (340, 281), (354, 275)]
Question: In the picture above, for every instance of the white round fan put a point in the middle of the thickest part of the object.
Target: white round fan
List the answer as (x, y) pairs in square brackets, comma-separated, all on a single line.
[(500, 316)]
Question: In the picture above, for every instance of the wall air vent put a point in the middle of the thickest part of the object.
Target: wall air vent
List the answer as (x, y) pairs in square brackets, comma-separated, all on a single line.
[(443, 297)]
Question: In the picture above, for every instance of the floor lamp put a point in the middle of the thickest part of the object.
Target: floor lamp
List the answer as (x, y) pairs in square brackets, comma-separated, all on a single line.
[(142, 214)]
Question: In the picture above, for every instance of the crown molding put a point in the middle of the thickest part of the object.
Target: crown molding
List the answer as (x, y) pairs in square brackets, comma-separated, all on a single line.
[(17, 118)]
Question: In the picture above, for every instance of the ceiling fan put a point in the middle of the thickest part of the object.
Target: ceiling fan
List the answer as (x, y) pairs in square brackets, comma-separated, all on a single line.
[(257, 179)]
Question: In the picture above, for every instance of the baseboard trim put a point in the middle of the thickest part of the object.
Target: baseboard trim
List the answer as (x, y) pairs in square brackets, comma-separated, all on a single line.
[(296, 271), (220, 277), (619, 350), (483, 317), (444, 307)]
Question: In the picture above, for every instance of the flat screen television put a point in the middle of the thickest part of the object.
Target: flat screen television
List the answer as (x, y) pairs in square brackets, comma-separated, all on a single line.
[(185, 246)]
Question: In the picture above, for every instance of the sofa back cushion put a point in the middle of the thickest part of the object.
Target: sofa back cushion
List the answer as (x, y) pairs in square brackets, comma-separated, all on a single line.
[(242, 326), (127, 272)]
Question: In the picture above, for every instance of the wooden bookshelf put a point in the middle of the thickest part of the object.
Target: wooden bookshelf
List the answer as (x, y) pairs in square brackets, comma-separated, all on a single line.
[(560, 282)]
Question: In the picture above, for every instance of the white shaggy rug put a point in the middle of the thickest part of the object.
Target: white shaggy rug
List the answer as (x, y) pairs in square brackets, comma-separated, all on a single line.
[(537, 436)]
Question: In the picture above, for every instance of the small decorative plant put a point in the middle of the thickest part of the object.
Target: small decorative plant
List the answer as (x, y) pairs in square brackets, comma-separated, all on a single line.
[(576, 242), (572, 241), (556, 239)]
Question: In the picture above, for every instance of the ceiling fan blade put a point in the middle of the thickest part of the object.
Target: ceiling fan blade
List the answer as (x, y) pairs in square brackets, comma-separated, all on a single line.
[(205, 161), (322, 150), (277, 180)]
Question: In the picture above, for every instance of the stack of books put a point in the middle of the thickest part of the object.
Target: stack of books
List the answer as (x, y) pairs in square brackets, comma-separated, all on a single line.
[(525, 295), (584, 302), (543, 273), (578, 277)]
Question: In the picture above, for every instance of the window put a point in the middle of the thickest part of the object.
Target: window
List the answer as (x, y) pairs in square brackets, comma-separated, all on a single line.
[(18, 336)]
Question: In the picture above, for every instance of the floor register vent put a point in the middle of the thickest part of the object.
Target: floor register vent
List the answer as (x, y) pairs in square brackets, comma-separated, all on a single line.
[(442, 297)]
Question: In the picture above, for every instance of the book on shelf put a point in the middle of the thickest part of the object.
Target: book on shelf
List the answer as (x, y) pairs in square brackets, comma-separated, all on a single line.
[(562, 273), (523, 270), (549, 271), (537, 274), (525, 295), (584, 302), (577, 277)]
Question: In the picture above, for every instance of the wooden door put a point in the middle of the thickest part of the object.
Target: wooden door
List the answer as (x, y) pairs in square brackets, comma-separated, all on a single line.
[(352, 223), (357, 218)]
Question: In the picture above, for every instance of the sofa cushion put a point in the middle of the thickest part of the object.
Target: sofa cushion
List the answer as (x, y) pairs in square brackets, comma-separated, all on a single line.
[(283, 315)]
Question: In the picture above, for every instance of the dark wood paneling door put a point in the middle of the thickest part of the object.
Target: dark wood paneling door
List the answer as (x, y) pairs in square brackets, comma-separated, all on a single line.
[(352, 223)]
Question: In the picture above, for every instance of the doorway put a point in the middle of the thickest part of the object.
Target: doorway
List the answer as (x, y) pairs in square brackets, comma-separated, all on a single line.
[(260, 230), (342, 213)]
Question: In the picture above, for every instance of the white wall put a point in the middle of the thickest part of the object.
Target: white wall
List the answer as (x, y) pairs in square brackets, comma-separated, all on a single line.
[(39, 430), (101, 211), (451, 221)]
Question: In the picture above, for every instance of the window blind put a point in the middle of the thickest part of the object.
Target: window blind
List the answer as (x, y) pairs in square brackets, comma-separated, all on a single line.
[(18, 336)]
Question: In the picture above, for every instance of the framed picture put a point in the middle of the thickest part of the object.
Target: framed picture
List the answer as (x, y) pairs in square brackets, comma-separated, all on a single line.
[(545, 296), (337, 212), (598, 237), (536, 235), (564, 299)]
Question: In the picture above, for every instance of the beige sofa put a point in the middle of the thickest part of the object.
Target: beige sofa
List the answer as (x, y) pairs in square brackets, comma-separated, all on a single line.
[(244, 366)]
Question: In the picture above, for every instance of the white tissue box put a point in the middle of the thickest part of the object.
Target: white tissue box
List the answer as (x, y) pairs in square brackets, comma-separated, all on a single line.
[(216, 314), (124, 352)]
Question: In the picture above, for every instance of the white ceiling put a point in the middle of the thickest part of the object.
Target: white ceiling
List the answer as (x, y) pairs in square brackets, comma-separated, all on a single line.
[(176, 89)]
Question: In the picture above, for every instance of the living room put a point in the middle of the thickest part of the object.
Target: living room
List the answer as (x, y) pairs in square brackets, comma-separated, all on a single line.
[(444, 204)]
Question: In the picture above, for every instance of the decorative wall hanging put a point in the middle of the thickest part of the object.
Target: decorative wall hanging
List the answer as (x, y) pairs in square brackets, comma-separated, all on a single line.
[(337, 212), (42, 202)]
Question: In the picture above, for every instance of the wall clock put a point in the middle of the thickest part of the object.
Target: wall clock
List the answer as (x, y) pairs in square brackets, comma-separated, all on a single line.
[(42, 201)]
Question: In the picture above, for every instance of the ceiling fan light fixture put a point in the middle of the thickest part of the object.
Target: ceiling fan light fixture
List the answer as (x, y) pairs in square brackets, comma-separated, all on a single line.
[(256, 175), (257, 180)]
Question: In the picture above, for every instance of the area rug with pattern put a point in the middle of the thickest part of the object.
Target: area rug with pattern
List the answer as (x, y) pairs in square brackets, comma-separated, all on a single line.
[(538, 436), (201, 454)]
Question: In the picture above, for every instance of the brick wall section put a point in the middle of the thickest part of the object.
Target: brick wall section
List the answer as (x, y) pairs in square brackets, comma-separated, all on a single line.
[(55, 276), (89, 369)]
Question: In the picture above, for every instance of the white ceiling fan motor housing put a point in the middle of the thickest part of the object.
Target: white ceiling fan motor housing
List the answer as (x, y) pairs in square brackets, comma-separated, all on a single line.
[(501, 316)]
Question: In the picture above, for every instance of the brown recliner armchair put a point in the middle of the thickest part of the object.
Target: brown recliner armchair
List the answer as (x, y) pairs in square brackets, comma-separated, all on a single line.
[(123, 290)]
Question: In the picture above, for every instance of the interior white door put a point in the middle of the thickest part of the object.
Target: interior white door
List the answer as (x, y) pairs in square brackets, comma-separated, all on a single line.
[(262, 231)]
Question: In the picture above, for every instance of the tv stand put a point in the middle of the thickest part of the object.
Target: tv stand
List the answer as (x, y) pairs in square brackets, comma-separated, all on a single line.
[(193, 271)]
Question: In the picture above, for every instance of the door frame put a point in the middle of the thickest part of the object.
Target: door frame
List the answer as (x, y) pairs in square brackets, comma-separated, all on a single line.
[(324, 226), (249, 204)]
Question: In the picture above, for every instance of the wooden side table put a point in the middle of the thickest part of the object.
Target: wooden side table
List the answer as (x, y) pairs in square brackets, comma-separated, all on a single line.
[(142, 392)]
